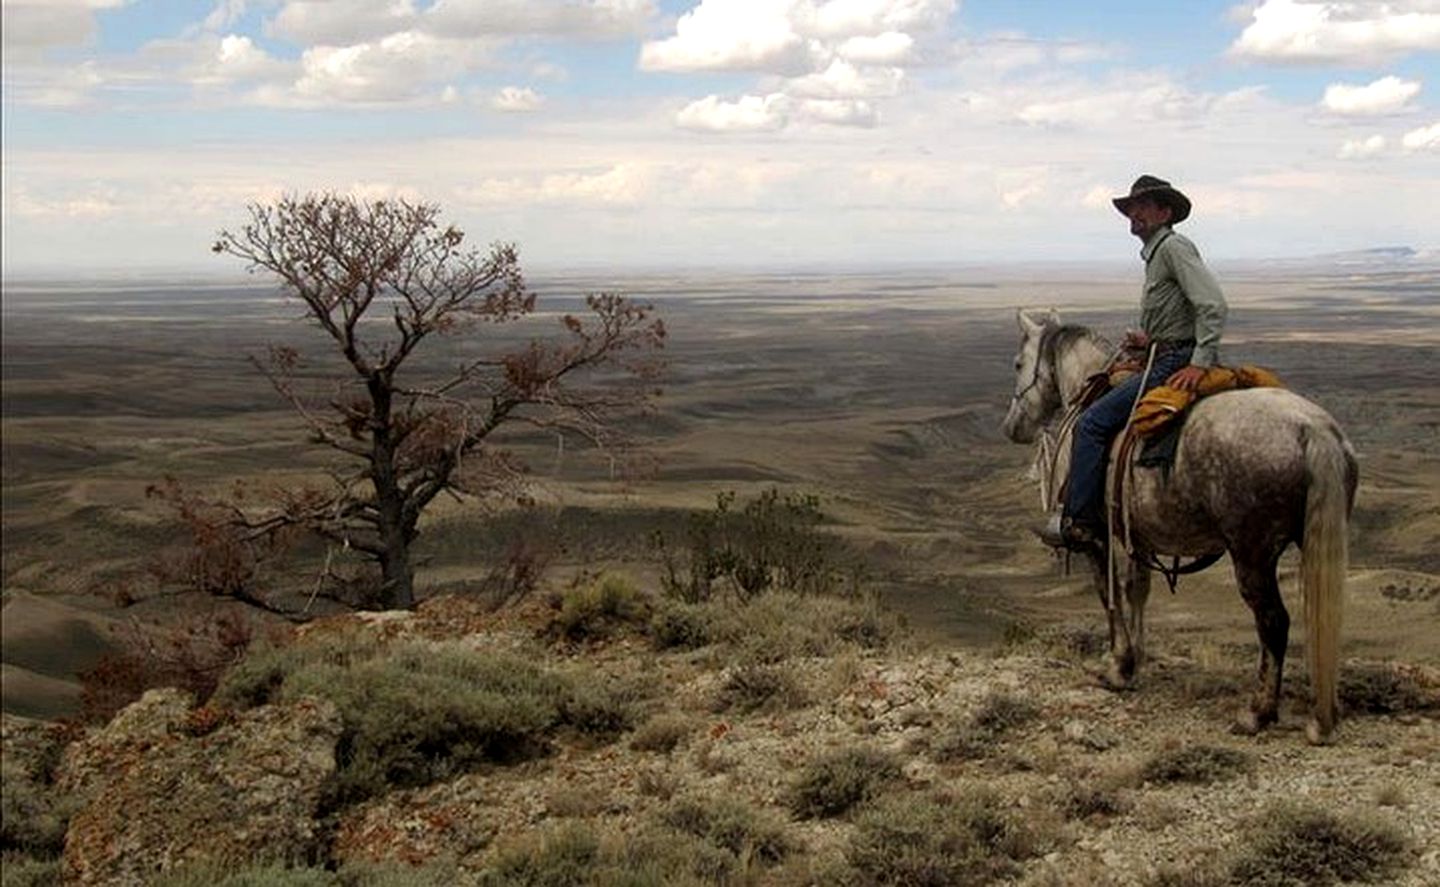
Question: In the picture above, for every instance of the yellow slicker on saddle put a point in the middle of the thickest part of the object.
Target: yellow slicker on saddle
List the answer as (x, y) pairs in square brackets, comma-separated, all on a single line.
[(1161, 405)]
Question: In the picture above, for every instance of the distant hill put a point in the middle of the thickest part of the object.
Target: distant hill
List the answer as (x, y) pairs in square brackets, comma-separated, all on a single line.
[(1380, 255), (1379, 259)]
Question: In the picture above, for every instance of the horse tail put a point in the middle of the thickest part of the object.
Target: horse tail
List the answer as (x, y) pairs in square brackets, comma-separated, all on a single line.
[(1330, 466)]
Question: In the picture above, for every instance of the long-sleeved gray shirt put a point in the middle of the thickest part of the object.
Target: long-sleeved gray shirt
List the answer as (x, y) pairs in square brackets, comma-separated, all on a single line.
[(1182, 299)]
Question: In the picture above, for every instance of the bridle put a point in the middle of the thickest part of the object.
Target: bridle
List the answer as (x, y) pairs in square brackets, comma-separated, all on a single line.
[(1036, 377)]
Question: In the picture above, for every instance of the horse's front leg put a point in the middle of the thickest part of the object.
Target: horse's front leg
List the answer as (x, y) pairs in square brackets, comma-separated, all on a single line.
[(1119, 671)]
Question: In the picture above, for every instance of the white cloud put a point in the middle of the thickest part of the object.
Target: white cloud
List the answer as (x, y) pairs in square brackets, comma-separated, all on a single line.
[(31, 26), (95, 204), (1351, 32), (1004, 53), (838, 112), (1097, 197), (67, 87), (842, 80), (1146, 98), (576, 18), (1426, 138), (1359, 149), (850, 18), (750, 113), (1020, 187), (889, 48), (837, 57), (791, 36), (1384, 96), (225, 14), (731, 35), (236, 58), (623, 184), (369, 192), (331, 23), (516, 99), (397, 68)]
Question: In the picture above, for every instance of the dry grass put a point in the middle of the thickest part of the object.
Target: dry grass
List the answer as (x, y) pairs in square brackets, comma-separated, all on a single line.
[(770, 688), (1089, 802), (1194, 764), (1293, 845), (835, 783), (663, 733), (999, 714), (940, 840), (750, 833), (1380, 689)]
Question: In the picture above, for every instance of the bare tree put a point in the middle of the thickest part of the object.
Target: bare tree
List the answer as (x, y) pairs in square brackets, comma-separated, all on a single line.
[(379, 279)]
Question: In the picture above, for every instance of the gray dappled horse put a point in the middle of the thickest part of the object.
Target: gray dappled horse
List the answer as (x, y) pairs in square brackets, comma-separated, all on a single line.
[(1254, 471)]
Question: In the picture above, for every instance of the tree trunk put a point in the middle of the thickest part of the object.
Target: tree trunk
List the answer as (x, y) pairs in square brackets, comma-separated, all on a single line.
[(397, 578)]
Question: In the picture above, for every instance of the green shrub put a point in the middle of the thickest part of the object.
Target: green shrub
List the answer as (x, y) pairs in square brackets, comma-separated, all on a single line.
[(1292, 846), (998, 714), (937, 840), (280, 875), (18, 870), (681, 626), (1188, 875), (748, 833), (772, 542), (1197, 764), (1086, 802), (417, 713), (600, 608), (575, 854), (834, 783), (1381, 689), (32, 818), (751, 688), (775, 627), (662, 733)]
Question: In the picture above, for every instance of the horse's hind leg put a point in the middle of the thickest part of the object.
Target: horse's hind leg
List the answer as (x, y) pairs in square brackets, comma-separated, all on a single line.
[(1137, 592), (1258, 585)]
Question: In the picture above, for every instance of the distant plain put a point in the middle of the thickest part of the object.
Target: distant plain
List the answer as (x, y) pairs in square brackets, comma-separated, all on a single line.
[(881, 393)]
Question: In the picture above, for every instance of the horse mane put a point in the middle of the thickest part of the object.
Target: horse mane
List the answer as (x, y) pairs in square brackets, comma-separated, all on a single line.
[(1066, 336)]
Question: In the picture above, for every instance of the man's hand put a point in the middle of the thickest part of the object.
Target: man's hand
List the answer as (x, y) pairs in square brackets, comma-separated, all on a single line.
[(1186, 378), (1137, 340)]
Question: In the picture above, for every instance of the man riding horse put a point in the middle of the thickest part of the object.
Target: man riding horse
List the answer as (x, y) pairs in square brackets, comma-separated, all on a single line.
[(1251, 471), (1182, 313)]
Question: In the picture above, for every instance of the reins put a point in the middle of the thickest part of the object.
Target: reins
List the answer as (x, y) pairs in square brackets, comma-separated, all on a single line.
[(1126, 491), (1052, 443)]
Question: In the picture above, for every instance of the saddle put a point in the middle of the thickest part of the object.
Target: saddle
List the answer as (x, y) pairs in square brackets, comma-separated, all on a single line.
[(1161, 406), (1157, 422)]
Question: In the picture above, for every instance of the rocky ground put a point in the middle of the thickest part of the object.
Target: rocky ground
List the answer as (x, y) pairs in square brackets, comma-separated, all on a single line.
[(1146, 787)]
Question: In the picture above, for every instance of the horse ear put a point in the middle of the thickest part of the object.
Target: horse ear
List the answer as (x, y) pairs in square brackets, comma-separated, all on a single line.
[(1052, 317), (1027, 323)]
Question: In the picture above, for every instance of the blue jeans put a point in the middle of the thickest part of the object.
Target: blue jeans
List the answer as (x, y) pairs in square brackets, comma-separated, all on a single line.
[(1085, 495)]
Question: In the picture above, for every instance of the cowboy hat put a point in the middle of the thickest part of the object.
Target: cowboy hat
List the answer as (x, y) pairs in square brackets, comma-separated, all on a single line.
[(1158, 190)]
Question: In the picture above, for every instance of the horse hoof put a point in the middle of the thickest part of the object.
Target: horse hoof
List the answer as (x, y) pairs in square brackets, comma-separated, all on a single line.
[(1247, 723), (1316, 734), (1115, 680), (1250, 723)]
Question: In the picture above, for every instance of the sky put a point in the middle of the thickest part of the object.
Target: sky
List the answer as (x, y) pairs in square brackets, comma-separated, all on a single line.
[(723, 133)]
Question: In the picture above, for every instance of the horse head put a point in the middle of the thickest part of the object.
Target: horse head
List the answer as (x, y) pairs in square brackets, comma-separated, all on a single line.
[(1037, 390)]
